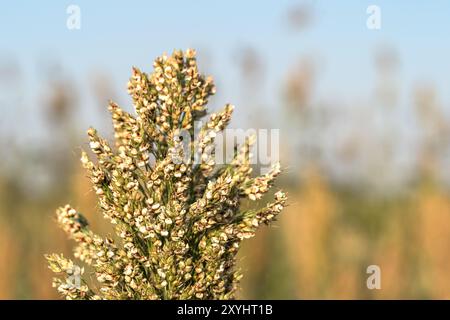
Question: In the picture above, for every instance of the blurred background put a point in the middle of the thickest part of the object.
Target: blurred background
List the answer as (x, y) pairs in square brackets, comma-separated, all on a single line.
[(363, 116)]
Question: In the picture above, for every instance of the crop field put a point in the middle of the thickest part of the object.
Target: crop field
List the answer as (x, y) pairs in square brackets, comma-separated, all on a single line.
[(242, 150)]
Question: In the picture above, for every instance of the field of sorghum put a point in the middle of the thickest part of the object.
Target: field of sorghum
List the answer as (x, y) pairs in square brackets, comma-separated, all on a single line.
[(321, 245)]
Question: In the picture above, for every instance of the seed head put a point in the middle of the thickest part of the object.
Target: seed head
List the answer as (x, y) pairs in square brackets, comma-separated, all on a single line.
[(179, 224)]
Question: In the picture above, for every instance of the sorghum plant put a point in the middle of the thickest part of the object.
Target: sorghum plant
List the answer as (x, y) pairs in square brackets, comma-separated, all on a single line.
[(178, 223)]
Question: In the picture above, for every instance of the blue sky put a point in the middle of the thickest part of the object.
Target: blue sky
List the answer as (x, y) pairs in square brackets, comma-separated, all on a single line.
[(116, 35)]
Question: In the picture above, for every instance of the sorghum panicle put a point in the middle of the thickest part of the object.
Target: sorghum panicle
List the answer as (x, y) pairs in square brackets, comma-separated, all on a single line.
[(178, 223)]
